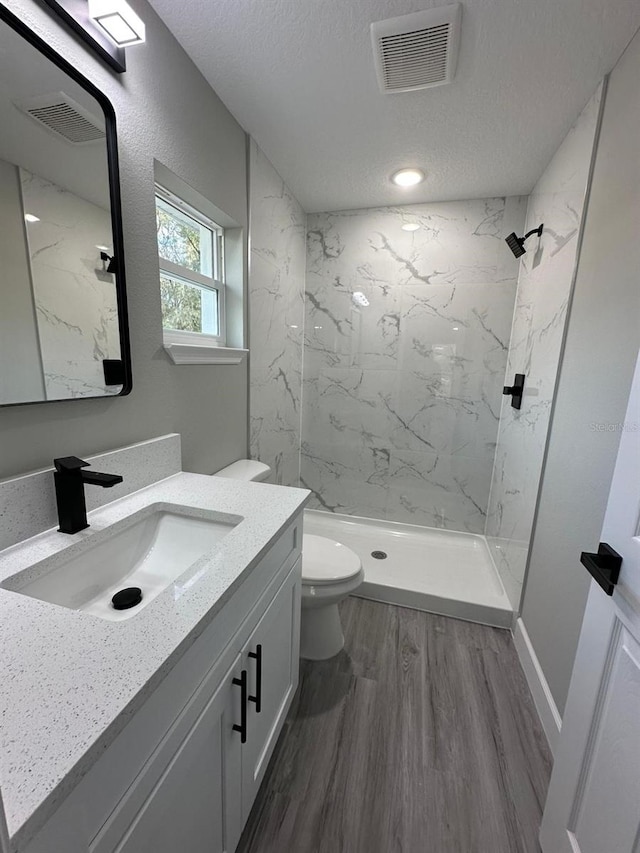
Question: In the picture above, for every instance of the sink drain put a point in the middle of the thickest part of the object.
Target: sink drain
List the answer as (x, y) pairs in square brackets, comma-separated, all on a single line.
[(379, 555), (127, 598)]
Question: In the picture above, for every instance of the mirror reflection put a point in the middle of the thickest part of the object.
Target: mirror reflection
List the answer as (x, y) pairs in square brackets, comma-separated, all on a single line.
[(58, 298)]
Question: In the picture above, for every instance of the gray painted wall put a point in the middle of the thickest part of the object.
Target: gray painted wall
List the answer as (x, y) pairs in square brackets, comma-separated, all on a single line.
[(21, 368), (165, 110), (600, 354)]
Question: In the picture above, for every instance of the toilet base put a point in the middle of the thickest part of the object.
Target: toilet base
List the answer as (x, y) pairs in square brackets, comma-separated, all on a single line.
[(321, 634)]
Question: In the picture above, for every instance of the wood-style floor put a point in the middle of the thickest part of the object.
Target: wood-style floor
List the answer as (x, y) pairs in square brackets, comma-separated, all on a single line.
[(420, 737)]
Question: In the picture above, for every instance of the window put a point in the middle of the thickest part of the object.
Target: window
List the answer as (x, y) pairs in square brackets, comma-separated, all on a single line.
[(190, 249)]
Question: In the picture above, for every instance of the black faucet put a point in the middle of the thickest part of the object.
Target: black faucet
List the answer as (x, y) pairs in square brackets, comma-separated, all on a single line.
[(69, 480)]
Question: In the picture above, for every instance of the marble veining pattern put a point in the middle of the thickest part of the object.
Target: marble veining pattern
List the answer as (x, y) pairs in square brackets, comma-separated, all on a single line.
[(544, 288), (75, 299), (276, 318), (402, 394)]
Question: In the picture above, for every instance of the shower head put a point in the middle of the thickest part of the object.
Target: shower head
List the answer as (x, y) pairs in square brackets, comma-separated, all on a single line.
[(516, 244)]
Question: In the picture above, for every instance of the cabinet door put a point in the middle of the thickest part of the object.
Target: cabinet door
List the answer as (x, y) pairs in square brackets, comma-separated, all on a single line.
[(194, 802), (271, 658)]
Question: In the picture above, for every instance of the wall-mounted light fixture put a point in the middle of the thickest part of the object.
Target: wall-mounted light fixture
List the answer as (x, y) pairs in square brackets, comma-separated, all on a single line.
[(118, 20), (107, 26)]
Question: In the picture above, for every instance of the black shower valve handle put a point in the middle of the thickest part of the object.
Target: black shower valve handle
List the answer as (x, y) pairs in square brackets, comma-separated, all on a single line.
[(515, 391)]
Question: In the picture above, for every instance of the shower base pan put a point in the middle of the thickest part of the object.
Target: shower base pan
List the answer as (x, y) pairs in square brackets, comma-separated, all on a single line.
[(440, 571)]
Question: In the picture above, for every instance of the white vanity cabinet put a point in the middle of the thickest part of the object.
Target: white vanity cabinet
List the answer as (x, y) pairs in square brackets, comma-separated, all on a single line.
[(188, 797), (272, 684), (184, 772)]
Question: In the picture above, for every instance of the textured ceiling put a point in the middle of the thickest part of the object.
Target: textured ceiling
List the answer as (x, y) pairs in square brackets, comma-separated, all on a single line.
[(299, 76)]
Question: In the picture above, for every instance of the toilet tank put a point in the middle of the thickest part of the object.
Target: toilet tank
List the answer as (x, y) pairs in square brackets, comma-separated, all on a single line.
[(245, 469)]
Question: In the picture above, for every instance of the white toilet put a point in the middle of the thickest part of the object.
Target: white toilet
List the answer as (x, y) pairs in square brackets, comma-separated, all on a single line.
[(330, 572)]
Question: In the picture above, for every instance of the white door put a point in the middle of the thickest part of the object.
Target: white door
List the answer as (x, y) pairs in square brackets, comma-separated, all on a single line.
[(593, 804)]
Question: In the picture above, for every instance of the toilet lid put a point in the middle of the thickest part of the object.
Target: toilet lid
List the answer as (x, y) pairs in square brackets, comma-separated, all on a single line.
[(325, 560)]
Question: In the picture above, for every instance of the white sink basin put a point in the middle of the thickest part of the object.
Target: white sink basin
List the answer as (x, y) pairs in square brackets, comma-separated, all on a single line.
[(150, 553)]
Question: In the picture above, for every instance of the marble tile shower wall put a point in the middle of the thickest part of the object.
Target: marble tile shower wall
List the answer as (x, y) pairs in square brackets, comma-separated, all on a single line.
[(544, 288), (276, 320), (402, 384)]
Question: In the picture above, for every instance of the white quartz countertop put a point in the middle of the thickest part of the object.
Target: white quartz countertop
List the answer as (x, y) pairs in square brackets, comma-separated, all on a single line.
[(70, 681)]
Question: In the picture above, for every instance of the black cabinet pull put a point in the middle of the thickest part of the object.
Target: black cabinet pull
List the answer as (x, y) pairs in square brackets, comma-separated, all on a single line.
[(604, 567), (257, 699), (242, 684)]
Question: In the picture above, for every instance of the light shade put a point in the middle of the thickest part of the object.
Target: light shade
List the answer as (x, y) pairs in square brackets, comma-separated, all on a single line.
[(410, 226), (408, 177), (118, 20)]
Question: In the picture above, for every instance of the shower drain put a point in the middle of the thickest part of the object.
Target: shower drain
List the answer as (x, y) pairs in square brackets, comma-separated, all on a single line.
[(379, 555)]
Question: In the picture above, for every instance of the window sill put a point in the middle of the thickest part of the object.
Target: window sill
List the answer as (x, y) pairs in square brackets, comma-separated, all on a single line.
[(194, 351)]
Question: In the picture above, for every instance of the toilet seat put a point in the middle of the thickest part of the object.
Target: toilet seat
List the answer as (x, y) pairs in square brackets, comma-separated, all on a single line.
[(325, 561)]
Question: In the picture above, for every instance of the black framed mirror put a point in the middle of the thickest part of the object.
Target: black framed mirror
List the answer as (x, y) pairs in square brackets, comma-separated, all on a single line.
[(63, 311)]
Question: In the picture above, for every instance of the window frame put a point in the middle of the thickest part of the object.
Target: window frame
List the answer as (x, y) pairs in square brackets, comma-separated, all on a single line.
[(215, 283)]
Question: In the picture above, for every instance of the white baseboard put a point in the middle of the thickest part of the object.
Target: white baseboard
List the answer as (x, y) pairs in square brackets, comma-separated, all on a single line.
[(546, 707)]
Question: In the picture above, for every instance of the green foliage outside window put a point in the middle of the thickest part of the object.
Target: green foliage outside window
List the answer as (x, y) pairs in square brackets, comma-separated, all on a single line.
[(178, 241), (187, 244), (181, 305)]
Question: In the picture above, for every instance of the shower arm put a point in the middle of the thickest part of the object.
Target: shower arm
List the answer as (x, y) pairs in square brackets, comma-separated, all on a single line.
[(537, 231)]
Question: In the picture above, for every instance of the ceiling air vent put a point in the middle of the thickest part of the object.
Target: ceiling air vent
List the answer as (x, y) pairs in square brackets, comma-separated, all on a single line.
[(417, 51), (65, 117)]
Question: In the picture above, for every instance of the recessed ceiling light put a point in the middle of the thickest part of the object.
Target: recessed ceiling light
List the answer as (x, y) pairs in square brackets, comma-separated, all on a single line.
[(29, 217), (408, 177), (410, 226), (118, 20)]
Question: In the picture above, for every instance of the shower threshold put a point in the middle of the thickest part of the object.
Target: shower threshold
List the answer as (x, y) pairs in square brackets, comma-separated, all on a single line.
[(440, 571)]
